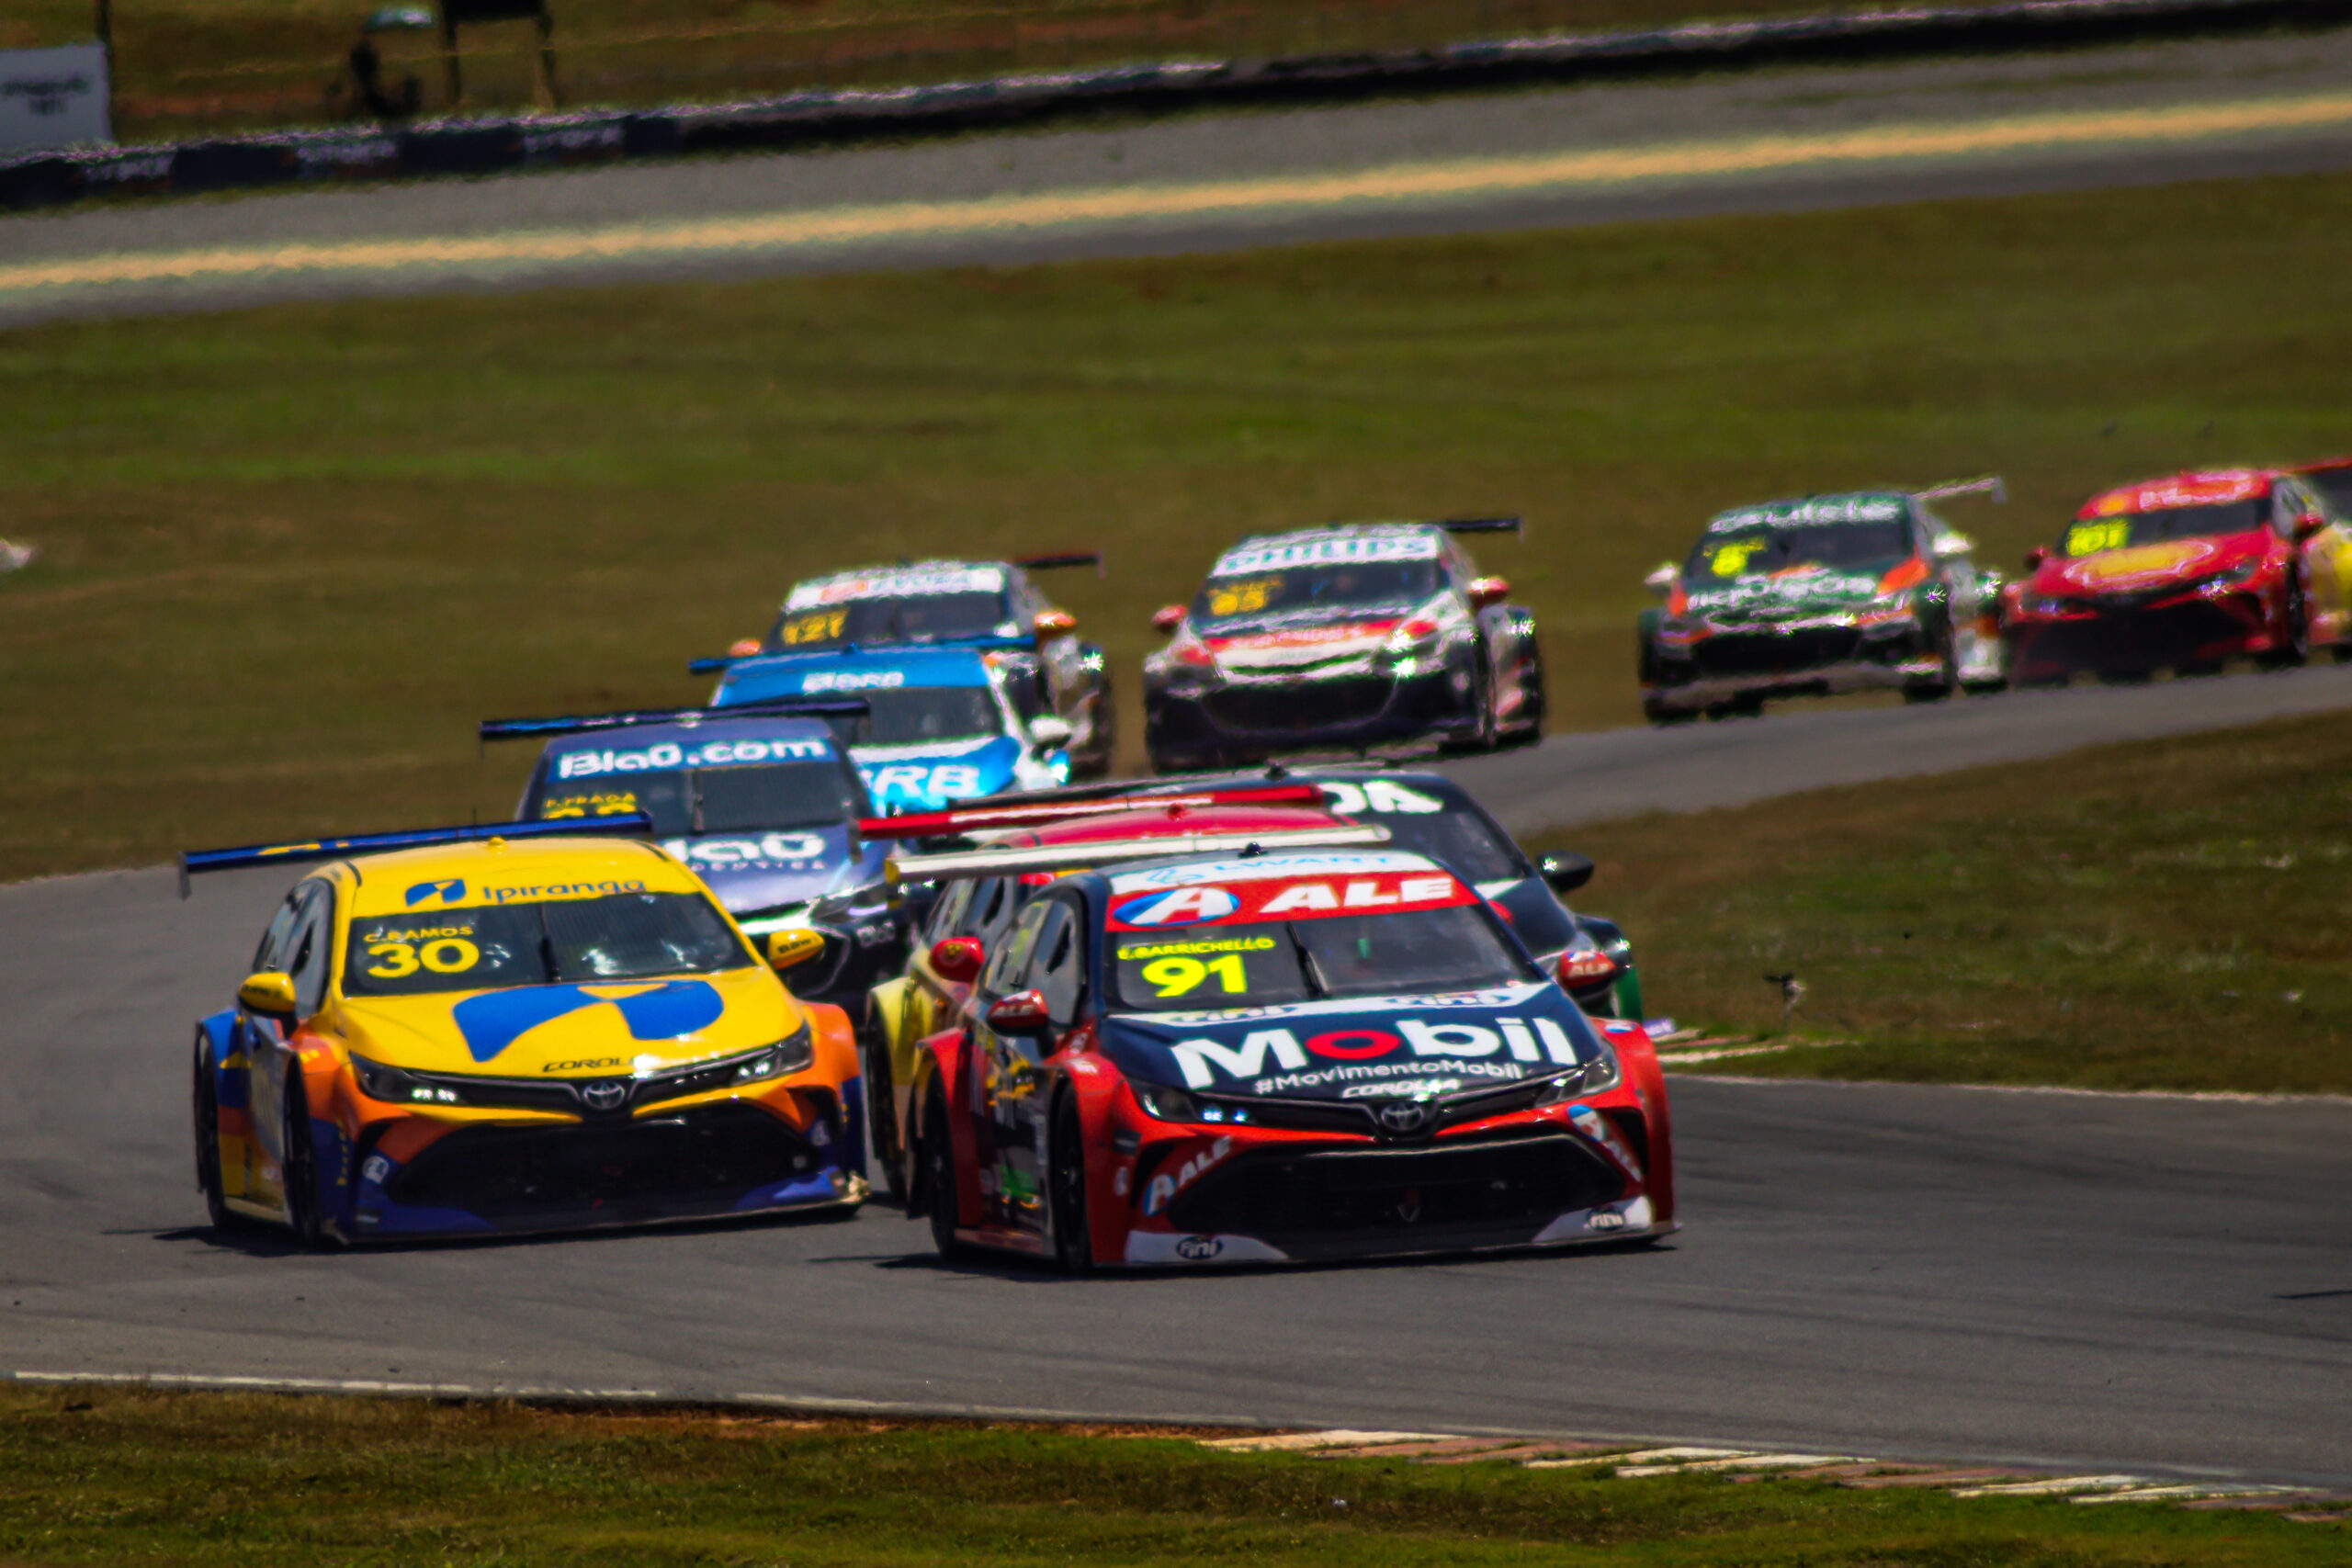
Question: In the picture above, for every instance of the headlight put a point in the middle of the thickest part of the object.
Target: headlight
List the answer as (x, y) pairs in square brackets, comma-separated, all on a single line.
[(2222, 581), (791, 1055), (1597, 1076), (1168, 1104), (394, 1087), (1411, 641), (2043, 605)]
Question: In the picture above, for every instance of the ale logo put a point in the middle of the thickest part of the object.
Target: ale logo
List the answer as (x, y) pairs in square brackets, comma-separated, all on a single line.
[(448, 892), (1183, 906)]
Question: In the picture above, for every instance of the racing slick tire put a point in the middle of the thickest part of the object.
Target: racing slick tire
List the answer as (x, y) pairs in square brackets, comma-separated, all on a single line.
[(298, 1171), (2296, 629), (1947, 681), (205, 1103), (1102, 735), (1659, 714), (882, 1106), (1533, 703), (1066, 1191), (1747, 705), (1489, 729), (936, 1149)]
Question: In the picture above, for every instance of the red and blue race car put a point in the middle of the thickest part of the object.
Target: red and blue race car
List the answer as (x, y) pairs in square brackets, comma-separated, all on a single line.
[(1303, 1054)]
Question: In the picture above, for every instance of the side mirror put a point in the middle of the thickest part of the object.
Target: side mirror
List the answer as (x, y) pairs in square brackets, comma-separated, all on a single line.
[(1952, 546), (790, 949), (957, 959), (743, 648), (1054, 623), (1047, 731), (1565, 873), (1021, 1014), (268, 992), (1487, 591), (2035, 557), (2309, 525), (1167, 618), (1660, 582)]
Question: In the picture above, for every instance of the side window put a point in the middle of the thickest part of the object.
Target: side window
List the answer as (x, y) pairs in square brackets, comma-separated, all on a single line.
[(946, 913), (271, 953), (1055, 968), (312, 949), (1013, 958), (2286, 505), (994, 903)]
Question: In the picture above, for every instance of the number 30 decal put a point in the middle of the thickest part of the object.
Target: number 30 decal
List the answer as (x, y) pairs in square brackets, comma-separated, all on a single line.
[(443, 955)]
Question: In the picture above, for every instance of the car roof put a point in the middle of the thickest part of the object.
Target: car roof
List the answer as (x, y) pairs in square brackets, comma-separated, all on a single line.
[(933, 576), (2195, 487), (695, 732), (1333, 544), (1157, 820), (1849, 506), (528, 869)]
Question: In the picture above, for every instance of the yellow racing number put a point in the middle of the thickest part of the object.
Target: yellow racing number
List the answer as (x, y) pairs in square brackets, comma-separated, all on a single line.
[(1179, 976), (821, 625), (1242, 598), (443, 955), (2089, 538), (1731, 560)]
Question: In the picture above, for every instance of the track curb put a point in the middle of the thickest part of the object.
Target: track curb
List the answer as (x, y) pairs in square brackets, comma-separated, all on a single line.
[(475, 146)]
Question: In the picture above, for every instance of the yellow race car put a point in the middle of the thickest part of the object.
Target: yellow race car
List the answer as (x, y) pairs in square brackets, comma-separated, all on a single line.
[(515, 1028)]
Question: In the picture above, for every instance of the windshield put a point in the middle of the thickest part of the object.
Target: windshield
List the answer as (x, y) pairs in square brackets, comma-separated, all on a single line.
[(1354, 585), (621, 936), (713, 800), (2091, 534), (1766, 547), (918, 617), (919, 715), (1446, 828), (1294, 960)]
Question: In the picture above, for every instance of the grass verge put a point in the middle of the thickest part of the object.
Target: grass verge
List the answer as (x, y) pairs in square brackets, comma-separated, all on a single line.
[(121, 1477), (291, 554), (2160, 915)]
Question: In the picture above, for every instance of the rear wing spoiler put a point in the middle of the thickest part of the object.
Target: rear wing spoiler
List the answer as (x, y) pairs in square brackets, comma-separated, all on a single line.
[(1513, 525), (589, 723), (1020, 811), (193, 862), (1027, 859), (1053, 562), (1990, 484)]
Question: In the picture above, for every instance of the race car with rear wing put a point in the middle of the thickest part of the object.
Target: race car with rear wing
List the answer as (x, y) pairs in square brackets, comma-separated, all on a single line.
[(2184, 573), (1304, 1053), (1430, 814), (963, 924), (1351, 638), (1822, 595), (939, 723), (995, 607), (516, 1027), (762, 802)]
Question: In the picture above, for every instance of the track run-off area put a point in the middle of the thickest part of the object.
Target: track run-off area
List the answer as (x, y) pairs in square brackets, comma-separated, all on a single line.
[(2149, 1282)]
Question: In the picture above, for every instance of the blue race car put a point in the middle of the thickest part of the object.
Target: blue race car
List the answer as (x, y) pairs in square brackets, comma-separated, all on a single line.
[(762, 808), (938, 727)]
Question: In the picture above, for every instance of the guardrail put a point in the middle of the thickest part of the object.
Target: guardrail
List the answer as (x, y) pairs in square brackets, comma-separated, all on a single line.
[(485, 145)]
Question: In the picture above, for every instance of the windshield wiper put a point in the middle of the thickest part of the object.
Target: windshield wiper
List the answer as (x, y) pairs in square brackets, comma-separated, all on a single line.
[(547, 950), (1306, 965)]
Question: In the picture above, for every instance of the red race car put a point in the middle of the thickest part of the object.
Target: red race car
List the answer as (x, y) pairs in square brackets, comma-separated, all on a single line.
[(2183, 574), (1300, 1054)]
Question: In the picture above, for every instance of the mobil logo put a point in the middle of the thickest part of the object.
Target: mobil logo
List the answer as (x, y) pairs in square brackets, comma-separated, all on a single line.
[(1179, 906), (1352, 1045), (448, 891)]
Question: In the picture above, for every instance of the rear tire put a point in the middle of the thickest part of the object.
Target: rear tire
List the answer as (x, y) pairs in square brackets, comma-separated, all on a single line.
[(1066, 1189), (938, 1155), (298, 1171), (2296, 629)]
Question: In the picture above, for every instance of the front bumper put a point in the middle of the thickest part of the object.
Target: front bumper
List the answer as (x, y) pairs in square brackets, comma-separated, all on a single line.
[(1801, 659), (1235, 720), (2135, 639), (419, 1175), (1530, 1180)]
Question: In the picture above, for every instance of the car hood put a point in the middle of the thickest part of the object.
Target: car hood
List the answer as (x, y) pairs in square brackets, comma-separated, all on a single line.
[(2135, 568), (1794, 594), (1361, 1047), (929, 778), (759, 870), (1300, 642), (573, 1030)]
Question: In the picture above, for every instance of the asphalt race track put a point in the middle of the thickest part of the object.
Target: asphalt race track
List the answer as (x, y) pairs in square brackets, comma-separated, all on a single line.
[(1735, 141), (2163, 1284)]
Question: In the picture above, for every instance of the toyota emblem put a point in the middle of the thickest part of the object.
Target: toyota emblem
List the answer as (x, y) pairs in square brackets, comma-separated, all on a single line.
[(604, 1094), (1404, 1115)]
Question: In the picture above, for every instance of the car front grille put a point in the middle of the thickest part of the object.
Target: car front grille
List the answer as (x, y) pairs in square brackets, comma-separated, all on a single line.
[(1297, 705), (1775, 653), (715, 1153), (1483, 1190)]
